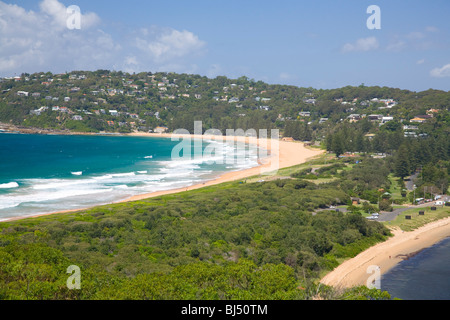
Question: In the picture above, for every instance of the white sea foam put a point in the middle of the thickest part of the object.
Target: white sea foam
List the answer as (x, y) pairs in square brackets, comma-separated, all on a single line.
[(48, 194), (77, 173), (14, 200), (129, 174), (44, 184), (106, 176), (9, 185)]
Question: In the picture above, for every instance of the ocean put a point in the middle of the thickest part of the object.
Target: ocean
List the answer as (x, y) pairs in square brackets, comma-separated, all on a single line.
[(49, 173), (425, 276)]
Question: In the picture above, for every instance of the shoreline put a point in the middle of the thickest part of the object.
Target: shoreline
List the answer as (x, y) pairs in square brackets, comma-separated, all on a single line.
[(281, 154), (350, 273), (386, 255)]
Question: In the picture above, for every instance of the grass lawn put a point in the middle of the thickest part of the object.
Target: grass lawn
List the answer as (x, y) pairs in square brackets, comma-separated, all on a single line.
[(418, 220), (395, 189)]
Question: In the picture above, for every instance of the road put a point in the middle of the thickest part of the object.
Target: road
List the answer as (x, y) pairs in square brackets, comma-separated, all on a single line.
[(410, 181), (389, 216)]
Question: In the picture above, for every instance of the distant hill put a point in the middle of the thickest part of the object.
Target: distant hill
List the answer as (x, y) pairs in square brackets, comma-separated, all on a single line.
[(110, 101)]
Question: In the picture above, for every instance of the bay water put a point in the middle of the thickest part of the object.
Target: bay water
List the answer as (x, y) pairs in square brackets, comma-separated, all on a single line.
[(51, 173)]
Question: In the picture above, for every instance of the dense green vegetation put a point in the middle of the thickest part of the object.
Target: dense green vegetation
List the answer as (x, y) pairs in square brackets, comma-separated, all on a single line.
[(262, 240), (428, 154), (146, 100), (412, 126)]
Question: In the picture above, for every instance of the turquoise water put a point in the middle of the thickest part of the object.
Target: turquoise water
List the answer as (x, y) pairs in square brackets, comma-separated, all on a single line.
[(425, 276), (49, 173)]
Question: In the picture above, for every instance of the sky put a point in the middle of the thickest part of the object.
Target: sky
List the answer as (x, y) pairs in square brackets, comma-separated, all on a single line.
[(322, 44)]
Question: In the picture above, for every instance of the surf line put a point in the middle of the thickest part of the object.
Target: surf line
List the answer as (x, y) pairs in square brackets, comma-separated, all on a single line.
[(257, 144)]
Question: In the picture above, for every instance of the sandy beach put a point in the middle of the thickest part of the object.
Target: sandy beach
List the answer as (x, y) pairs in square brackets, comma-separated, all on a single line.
[(281, 154), (386, 255), (352, 272)]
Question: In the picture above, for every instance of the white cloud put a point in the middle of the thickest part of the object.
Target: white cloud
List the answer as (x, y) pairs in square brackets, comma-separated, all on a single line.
[(421, 61), (396, 46), (431, 29), (169, 43), (415, 40), (59, 15), (441, 72), (38, 41), (415, 35), (131, 60), (41, 41), (361, 45)]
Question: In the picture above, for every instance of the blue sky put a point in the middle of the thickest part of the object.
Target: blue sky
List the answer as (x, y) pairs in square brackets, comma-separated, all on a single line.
[(321, 44)]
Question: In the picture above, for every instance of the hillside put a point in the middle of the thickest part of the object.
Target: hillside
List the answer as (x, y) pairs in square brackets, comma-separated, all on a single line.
[(260, 240), (255, 240), (106, 101)]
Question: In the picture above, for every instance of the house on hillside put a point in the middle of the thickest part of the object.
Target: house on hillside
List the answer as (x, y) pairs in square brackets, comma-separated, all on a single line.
[(310, 101), (386, 119), (160, 129), (304, 114), (406, 127), (410, 134), (420, 119), (375, 117), (22, 93), (354, 117)]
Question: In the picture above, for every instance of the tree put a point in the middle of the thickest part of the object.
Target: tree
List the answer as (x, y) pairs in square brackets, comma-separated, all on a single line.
[(359, 142), (337, 144), (385, 205), (402, 166)]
